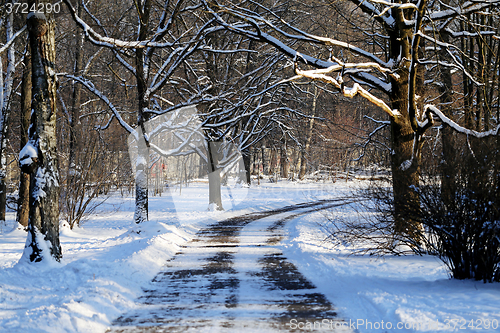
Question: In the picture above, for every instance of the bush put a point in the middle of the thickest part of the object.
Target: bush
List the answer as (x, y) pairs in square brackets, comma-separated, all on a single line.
[(463, 232)]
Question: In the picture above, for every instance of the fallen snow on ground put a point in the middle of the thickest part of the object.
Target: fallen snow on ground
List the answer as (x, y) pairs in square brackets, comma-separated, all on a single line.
[(393, 293), (109, 259)]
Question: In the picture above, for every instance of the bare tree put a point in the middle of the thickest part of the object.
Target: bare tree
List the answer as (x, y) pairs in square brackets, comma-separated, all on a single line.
[(161, 43), (384, 71), (38, 156)]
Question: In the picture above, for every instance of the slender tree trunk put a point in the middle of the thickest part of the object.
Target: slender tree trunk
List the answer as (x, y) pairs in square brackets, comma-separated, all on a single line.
[(5, 109), (247, 161), (75, 111), (24, 181), (250, 66), (39, 154), (141, 181), (284, 161), (448, 165), (214, 181), (142, 166), (305, 151)]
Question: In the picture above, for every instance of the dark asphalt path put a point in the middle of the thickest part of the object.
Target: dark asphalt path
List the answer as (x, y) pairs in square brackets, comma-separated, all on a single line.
[(233, 278)]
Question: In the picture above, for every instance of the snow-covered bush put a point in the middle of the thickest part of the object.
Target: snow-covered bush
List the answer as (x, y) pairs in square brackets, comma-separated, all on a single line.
[(465, 232)]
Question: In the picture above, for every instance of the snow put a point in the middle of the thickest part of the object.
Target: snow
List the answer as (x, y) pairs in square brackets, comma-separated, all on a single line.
[(27, 154), (36, 14), (414, 290), (108, 261)]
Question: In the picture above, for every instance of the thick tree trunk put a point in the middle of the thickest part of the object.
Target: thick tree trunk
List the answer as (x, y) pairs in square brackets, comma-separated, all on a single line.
[(404, 164), (39, 154), (24, 181), (214, 181), (405, 178)]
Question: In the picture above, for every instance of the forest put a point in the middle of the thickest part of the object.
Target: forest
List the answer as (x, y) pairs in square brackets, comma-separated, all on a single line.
[(407, 91), (249, 165)]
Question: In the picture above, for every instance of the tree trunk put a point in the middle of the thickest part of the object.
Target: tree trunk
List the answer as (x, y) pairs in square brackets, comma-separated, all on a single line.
[(247, 161), (305, 151), (24, 181), (250, 66), (285, 166), (214, 182), (5, 109), (39, 155), (263, 152), (405, 166), (142, 165), (405, 178), (141, 181), (75, 111), (448, 165)]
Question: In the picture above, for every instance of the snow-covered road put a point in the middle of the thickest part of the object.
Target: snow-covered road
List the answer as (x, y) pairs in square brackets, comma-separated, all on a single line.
[(233, 278), (110, 261)]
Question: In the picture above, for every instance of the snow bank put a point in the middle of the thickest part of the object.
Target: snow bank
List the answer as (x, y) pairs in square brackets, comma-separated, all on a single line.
[(390, 294)]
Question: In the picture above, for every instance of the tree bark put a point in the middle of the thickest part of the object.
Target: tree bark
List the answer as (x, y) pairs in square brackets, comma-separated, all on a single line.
[(448, 165), (405, 165), (405, 178), (142, 166), (43, 227), (6, 94), (141, 181), (285, 165), (247, 156), (305, 151), (75, 110), (214, 181), (250, 66), (24, 178)]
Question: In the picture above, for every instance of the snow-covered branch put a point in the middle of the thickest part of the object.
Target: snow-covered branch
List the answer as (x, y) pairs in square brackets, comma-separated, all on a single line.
[(444, 119), (464, 9), (11, 40), (351, 92), (91, 87), (110, 42)]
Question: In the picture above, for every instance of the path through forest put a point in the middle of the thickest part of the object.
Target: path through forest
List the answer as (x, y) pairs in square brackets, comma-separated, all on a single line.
[(233, 278)]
